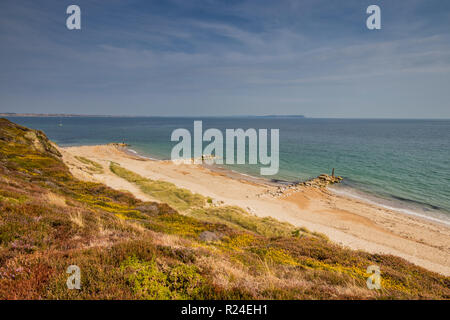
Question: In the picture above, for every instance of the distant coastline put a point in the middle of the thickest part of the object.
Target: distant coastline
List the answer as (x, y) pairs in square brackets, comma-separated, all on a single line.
[(49, 115), (65, 115)]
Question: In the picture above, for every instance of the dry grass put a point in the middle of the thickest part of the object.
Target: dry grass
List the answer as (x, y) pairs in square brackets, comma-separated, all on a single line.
[(54, 199), (77, 219)]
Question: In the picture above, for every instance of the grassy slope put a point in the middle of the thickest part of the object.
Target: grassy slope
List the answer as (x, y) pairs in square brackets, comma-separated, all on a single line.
[(131, 249)]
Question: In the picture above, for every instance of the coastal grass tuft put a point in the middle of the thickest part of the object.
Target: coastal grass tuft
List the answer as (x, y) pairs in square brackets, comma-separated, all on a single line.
[(92, 166), (180, 199), (238, 218)]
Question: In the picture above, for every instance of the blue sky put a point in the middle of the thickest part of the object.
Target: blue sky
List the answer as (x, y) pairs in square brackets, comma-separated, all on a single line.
[(200, 58)]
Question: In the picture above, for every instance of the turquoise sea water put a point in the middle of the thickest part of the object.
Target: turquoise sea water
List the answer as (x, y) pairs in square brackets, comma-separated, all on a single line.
[(404, 164)]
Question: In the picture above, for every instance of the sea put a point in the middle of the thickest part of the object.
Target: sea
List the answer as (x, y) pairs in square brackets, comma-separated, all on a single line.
[(402, 165)]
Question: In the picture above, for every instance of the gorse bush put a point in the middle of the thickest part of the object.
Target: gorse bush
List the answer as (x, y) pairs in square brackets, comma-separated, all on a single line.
[(149, 282)]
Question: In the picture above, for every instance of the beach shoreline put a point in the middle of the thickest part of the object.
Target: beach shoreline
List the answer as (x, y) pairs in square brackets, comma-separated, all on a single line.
[(286, 185), (347, 221)]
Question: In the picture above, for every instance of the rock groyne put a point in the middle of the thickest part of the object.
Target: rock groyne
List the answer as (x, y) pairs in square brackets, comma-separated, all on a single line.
[(322, 181)]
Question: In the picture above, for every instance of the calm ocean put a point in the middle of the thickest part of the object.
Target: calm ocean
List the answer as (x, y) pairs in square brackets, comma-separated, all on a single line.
[(404, 164)]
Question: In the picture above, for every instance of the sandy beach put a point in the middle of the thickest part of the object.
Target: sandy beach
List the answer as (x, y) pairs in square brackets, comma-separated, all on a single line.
[(350, 222)]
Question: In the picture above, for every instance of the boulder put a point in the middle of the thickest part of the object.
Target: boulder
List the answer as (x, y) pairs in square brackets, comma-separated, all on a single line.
[(209, 236)]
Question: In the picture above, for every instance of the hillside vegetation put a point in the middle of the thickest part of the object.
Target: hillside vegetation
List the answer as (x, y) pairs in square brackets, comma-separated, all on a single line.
[(189, 248)]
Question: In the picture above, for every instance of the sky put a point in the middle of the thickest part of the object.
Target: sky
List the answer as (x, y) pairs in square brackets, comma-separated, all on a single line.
[(211, 58)]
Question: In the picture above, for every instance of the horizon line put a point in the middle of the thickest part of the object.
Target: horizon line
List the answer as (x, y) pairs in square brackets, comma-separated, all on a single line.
[(71, 115)]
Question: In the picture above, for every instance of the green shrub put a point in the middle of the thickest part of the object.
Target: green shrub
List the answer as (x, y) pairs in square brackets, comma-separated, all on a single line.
[(150, 283)]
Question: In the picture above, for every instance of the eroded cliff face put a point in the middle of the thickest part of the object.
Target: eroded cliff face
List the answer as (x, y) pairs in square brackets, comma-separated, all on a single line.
[(28, 138)]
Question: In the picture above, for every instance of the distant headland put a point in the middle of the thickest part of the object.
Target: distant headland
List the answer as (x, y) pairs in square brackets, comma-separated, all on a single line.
[(282, 116)]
